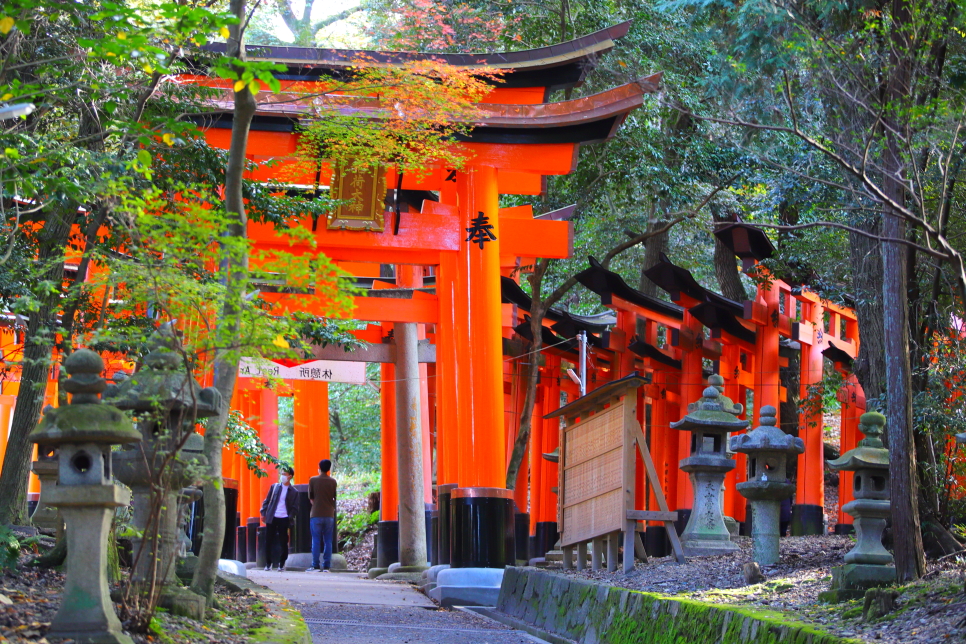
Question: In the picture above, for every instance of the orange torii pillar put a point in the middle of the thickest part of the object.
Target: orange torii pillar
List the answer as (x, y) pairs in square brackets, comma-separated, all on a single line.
[(808, 514), (853, 405), (692, 388), (447, 386), (479, 334), (545, 519), (729, 366), (311, 427), (387, 545)]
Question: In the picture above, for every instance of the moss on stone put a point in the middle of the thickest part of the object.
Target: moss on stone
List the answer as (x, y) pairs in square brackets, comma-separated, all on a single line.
[(620, 616)]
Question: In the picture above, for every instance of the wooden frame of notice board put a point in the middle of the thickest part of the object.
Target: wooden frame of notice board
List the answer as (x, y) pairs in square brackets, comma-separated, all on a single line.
[(597, 474)]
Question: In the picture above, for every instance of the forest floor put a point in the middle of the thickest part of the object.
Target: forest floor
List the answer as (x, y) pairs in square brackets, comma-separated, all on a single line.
[(30, 597), (930, 610)]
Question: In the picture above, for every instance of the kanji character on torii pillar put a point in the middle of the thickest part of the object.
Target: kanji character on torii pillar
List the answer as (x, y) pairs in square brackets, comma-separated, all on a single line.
[(451, 228)]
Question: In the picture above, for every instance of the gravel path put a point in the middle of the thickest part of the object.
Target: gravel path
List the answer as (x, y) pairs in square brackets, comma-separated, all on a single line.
[(355, 624), (351, 609)]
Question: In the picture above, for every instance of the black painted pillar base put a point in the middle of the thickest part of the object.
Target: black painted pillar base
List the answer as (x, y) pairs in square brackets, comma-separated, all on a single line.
[(684, 514), (241, 543), (261, 556), (434, 538), (302, 532), (807, 520), (388, 552), (546, 538), (483, 529), (252, 539), (531, 547), (430, 551), (445, 524), (656, 542), (844, 528), (522, 536)]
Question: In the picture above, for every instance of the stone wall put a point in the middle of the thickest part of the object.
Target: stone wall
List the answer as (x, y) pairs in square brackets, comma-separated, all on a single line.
[(592, 613)]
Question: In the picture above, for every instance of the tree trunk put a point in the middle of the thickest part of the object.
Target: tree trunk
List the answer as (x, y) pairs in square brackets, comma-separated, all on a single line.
[(725, 264), (235, 275), (907, 535), (652, 255), (37, 347), (866, 259)]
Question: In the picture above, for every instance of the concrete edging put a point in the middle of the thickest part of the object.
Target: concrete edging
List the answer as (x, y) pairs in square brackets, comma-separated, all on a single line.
[(594, 613), (285, 624)]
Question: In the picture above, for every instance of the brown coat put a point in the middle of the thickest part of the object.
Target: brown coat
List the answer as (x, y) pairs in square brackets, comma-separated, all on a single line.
[(322, 495)]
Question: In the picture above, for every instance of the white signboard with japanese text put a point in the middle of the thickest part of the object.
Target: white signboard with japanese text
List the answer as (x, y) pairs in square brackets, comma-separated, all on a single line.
[(320, 370)]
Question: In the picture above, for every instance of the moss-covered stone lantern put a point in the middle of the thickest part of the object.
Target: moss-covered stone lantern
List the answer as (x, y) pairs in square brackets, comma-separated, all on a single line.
[(709, 423), (868, 564), (768, 449), (83, 433), (167, 402)]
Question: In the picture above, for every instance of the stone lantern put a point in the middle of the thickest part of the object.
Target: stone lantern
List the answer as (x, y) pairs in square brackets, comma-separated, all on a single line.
[(768, 449), (709, 423), (45, 467), (83, 433), (868, 564), (167, 402)]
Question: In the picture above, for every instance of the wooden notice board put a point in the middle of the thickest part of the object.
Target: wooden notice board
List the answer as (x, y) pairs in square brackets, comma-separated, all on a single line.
[(598, 471), (591, 502)]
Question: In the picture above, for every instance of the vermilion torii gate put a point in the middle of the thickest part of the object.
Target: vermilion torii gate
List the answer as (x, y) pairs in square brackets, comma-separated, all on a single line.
[(519, 140)]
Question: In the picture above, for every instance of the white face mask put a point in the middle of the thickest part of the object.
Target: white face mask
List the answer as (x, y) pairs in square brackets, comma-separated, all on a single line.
[(284, 479)]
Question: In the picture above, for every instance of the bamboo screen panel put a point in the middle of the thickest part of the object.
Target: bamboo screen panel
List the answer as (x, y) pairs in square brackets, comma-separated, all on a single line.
[(592, 480)]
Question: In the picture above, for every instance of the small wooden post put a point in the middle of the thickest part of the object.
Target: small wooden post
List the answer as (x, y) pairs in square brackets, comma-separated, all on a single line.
[(612, 540), (568, 557), (581, 555), (629, 482)]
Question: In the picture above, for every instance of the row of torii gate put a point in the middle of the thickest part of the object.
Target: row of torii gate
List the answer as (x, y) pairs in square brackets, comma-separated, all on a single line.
[(446, 314)]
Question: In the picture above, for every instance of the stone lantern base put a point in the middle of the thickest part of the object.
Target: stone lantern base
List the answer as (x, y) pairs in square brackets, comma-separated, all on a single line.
[(852, 580), (706, 533)]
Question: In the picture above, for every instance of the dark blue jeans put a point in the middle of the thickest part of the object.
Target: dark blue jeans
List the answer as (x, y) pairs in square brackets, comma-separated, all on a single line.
[(323, 528)]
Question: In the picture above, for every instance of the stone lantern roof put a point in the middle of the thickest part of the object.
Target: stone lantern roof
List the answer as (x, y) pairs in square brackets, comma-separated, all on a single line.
[(85, 419), (164, 383), (767, 437), (709, 414), (870, 452)]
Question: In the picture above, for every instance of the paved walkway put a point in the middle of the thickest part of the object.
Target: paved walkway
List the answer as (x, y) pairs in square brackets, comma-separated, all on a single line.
[(349, 609)]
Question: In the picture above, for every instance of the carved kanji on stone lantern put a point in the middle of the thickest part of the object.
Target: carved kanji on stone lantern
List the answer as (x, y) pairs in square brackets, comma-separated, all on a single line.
[(768, 449), (709, 423), (83, 433)]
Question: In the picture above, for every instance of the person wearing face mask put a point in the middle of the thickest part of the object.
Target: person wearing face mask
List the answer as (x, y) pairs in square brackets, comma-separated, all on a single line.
[(278, 510)]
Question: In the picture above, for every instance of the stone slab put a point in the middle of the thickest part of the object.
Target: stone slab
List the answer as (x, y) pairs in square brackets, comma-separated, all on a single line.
[(465, 595), (233, 566), (298, 561), (339, 589), (433, 572), (483, 577)]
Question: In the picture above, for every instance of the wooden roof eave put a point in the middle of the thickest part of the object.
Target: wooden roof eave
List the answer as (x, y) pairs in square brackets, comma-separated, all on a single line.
[(581, 51), (616, 102)]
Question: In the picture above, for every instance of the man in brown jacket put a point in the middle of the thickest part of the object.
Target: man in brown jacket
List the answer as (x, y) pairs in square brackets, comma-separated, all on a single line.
[(322, 518)]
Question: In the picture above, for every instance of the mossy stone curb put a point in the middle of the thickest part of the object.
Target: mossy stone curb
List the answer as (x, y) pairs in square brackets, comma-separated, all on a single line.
[(594, 613), (285, 624)]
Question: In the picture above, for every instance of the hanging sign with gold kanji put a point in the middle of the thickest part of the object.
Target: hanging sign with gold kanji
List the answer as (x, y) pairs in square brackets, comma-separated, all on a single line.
[(364, 190)]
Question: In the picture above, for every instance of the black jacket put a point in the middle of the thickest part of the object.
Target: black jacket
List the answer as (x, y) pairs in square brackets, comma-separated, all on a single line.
[(271, 502)]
